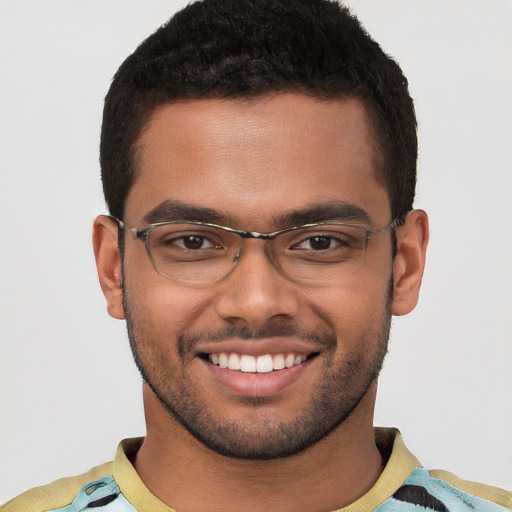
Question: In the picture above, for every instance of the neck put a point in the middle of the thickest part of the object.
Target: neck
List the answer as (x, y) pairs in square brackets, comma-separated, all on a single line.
[(187, 476)]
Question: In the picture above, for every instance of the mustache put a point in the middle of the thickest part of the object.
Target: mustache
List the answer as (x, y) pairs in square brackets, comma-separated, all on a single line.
[(320, 338)]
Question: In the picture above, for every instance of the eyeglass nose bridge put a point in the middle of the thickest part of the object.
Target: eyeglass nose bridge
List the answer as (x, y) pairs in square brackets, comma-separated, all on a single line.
[(255, 235), (258, 235)]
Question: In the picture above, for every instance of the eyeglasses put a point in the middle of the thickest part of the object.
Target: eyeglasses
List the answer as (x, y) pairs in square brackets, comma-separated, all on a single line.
[(204, 253)]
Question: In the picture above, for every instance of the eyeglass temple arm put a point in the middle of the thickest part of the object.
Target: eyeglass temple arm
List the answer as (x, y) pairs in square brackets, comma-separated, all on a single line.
[(136, 234)]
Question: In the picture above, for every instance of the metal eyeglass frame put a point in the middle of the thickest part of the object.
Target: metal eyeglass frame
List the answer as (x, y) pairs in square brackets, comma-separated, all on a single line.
[(144, 234)]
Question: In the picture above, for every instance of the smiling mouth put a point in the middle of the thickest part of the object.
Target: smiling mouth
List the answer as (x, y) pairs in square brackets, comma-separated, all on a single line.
[(257, 364)]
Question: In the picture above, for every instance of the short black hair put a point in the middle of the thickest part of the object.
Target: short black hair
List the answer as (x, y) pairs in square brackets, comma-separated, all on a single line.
[(245, 48)]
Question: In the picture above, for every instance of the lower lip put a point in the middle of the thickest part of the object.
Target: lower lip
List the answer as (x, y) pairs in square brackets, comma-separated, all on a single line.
[(257, 384)]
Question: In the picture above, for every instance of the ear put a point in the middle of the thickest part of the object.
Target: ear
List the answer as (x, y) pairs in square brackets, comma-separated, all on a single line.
[(412, 241), (108, 263)]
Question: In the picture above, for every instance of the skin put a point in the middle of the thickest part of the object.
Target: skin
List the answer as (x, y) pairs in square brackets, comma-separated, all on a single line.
[(254, 161)]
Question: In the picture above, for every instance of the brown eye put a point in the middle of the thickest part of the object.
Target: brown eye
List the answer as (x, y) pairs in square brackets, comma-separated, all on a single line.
[(191, 242), (319, 243), (194, 242)]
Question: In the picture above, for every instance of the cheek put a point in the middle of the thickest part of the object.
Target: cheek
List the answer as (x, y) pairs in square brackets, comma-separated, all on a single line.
[(356, 309), (162, 309)]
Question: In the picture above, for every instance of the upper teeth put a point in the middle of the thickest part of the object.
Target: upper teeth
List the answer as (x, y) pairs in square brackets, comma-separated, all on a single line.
[(259, 364)]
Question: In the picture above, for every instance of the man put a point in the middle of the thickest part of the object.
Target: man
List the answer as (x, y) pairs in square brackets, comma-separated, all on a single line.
[(258, 159)]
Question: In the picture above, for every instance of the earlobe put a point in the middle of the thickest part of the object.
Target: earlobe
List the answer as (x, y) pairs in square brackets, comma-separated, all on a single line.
[(412, 241), (108, 264)]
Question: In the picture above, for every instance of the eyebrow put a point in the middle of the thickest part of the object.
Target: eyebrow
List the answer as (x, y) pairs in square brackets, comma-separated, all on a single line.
[(170, 210), (342, 211)]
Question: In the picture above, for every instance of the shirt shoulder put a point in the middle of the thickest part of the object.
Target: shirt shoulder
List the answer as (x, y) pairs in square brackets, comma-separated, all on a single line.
[(484, 491), (111, 487), (62, 492), (441, 491), (406, 486)]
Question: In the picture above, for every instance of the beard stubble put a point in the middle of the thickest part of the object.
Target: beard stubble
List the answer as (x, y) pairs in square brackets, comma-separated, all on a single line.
[(258, 436)]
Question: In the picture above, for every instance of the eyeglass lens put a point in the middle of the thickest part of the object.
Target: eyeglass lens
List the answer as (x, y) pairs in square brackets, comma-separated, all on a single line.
[(318, 254)]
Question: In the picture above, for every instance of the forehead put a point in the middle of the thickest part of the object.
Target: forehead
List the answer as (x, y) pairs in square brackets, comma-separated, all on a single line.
[(254, 159)]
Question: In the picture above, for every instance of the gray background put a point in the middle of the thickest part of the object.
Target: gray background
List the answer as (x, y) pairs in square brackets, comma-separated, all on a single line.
[(68, 389)]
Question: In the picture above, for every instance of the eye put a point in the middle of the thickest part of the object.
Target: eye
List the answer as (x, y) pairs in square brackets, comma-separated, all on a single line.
[(177, 238), (320, 243), (192, 242)]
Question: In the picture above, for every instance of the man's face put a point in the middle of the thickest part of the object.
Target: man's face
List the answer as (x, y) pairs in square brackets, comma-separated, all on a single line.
[(253, 163)]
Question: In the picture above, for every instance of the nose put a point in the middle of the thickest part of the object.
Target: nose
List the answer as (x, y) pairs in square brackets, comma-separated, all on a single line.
[(255, 291)]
